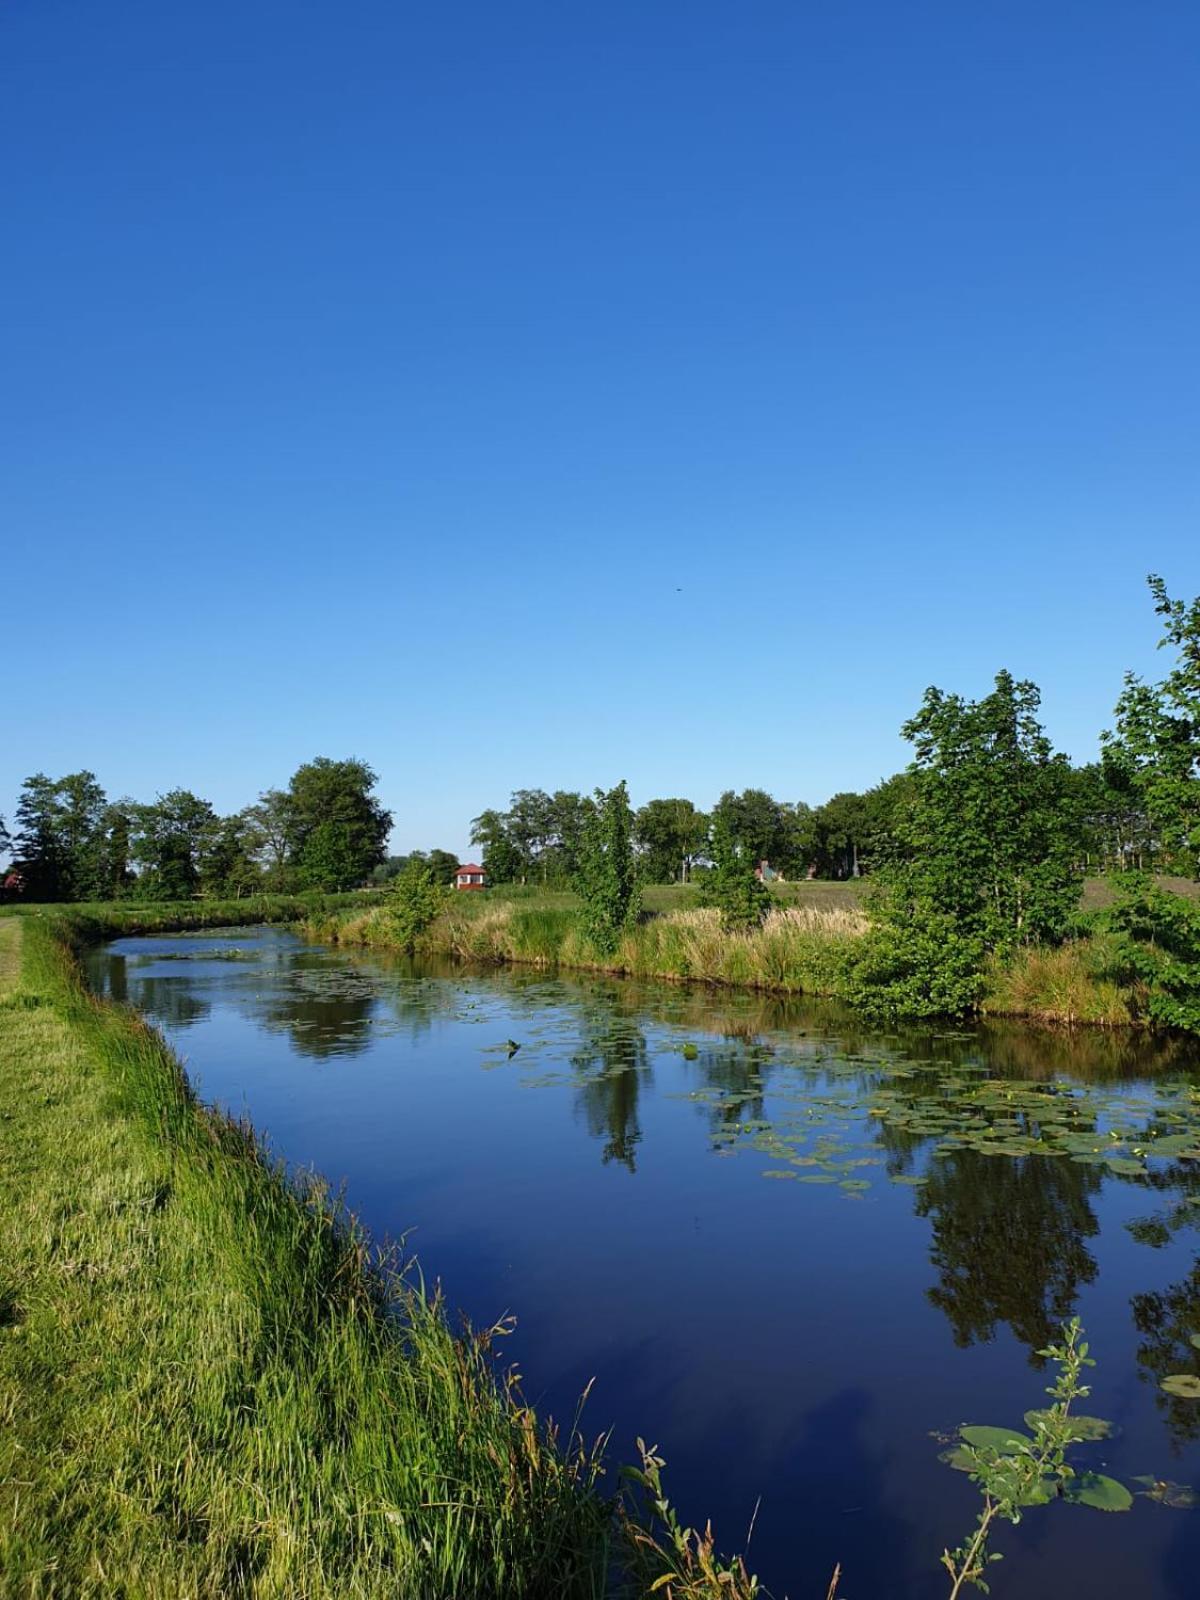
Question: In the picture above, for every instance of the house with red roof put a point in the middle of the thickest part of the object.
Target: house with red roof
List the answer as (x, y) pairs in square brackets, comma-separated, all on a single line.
[(470, 876)]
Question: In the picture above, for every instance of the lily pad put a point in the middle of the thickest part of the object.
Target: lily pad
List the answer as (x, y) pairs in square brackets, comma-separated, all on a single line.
[(1005, 1440), (1086, 1429), (1098, 1491), (1185, 1385)]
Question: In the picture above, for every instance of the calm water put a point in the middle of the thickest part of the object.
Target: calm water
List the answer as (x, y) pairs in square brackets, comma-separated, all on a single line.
[(790, 1252)]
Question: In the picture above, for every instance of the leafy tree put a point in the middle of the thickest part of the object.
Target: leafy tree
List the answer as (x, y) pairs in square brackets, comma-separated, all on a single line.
[(117, 826), (37, 846), (501, 858), (1157, 740), (1155, 938), (839, 830), (415, 900), (336, 829), (992, 836), (60, 837), (227, 858), (757, 823), (670, 835), (731, 887), (271, 819), (914, 961), (5, 840), (168, 843), (606, 878)]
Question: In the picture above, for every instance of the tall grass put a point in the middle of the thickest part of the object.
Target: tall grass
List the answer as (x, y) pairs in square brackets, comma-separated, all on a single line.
[(1069, 983), (210, 1384), (797, 949)]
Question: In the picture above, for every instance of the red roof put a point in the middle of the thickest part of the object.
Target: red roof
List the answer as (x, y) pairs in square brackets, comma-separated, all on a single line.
[(470, 867)]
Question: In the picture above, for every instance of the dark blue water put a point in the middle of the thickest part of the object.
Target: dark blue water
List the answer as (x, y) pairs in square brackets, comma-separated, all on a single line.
[(778, 1244)]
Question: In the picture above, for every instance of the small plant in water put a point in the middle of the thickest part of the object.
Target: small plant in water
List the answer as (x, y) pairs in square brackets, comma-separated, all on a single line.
[(1014, 1470)]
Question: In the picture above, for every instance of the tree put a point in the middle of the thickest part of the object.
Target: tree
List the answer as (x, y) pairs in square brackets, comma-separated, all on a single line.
[(227, 857), (169, 838), (732, 887), (992, 837), (336, 830), (670, 835), (415, 900), (758, 824), (1157, 740), (60, 838), (501, 858), (606, 879), (117, 826), (271, 819)]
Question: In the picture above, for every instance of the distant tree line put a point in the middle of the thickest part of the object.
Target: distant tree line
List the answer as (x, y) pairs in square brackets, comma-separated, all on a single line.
[(538, 839), (70, 842)]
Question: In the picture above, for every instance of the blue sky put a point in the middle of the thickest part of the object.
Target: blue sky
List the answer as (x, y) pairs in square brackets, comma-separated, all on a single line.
[(532, 394)]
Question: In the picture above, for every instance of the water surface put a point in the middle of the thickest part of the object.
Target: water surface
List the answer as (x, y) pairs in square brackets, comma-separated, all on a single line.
[(791, 1253)]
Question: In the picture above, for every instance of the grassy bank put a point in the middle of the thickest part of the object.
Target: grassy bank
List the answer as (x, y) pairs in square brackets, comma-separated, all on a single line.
[(92, 919), (795, 951), (800, 949), (209, 1387)]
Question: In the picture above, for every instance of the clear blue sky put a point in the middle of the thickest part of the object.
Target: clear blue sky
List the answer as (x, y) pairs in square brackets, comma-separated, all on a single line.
[(538, 394)]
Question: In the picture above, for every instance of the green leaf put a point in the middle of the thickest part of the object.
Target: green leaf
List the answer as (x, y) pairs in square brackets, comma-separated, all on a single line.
[(1085, 1429), (1185, 1385), (1005, 1440), (1100, 1492)]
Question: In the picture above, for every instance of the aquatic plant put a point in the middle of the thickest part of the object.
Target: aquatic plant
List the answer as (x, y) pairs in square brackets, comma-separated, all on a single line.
[(1015, 1470)]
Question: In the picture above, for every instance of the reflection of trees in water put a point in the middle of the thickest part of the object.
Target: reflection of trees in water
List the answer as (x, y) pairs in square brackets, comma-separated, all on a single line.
[(1008, 1242), (1166, 1322), (167, 1000), (611, 1063)]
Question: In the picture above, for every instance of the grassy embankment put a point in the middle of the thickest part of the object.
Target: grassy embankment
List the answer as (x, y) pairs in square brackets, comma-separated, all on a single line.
[(799, 949), (208, 1385)]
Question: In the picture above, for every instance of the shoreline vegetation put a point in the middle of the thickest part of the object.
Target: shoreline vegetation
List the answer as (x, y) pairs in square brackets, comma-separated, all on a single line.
[(212, 1383), (801, 948)]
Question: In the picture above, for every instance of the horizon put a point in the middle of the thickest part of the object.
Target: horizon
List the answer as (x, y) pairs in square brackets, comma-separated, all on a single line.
[(538, 400)]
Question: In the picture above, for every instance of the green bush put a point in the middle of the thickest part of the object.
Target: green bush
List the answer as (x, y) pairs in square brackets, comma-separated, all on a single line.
[(914, 962)]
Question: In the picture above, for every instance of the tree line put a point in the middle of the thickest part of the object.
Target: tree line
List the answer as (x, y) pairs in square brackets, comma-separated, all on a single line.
[(70, 842), (539, 837)]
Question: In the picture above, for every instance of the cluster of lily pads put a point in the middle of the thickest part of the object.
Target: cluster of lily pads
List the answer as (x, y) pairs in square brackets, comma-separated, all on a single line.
[(920, 1104)]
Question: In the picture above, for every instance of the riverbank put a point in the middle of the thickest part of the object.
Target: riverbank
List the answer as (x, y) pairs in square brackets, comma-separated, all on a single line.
[(209, 1383), (800, 949)]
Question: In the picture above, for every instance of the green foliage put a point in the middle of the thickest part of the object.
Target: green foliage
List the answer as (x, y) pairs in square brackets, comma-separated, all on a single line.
[(914, 961), (538, 839), (1155, 937), (336, 831), (60, 840), (170, 838), (992, 837), (415, 900), (606, 878), (731, 887), (1014, 1470), (670, 835), (1156, 745)]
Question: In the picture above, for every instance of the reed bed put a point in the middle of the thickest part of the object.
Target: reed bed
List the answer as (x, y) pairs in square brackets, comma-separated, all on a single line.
[(1068, 984), (797, 950)]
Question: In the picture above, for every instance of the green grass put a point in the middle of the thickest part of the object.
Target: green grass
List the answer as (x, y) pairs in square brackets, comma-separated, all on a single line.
[(208, 1384)]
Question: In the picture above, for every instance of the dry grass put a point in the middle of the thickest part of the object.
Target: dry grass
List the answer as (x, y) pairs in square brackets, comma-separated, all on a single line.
[(1067, 984)]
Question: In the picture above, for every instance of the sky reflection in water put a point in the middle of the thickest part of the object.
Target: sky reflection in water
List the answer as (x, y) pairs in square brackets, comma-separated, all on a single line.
[(788, 1250)]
